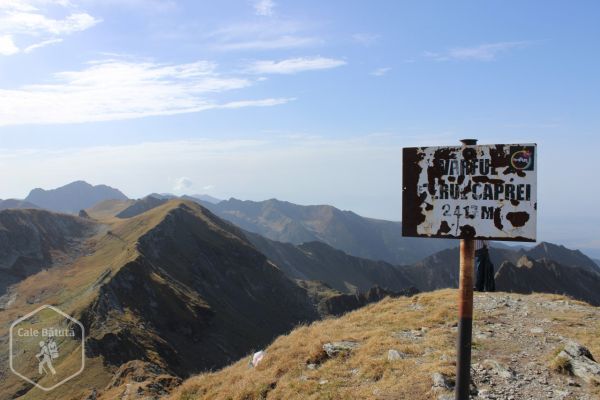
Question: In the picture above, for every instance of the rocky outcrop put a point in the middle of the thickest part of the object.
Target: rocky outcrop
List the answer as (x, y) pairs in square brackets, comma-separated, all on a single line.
[(577, 360), (84, 214), (335, 349)]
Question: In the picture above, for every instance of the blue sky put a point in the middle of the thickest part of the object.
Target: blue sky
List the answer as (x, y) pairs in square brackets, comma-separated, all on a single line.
[(306, 101)]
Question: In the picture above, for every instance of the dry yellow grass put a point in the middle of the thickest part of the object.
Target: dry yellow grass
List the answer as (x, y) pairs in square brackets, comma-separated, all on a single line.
[(366, 373)]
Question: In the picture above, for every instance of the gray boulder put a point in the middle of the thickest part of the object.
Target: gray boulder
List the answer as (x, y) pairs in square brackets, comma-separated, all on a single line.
[(577, 360), (336, 348)]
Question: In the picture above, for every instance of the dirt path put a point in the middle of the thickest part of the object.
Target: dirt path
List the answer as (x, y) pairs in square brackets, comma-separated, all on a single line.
[(514, 341)]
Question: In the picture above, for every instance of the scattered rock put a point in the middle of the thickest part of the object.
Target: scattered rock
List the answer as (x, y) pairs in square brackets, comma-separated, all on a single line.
[(560, 394), (416, 334), (499, 369), (441, 381), (483, 335), (336, 348), (394, 355), (536, 330), (573, 382)]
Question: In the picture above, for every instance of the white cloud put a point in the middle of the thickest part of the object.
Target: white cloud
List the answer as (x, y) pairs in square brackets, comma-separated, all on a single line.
[(270, 34), (366, 39), (294, 65), (257, 103), (182, 184), (7, 46), (17, 5), (43, 43), (282, 42), (113, 89), (381, 71), (483, 52), (24, 19), (34, 23), (264, 7)]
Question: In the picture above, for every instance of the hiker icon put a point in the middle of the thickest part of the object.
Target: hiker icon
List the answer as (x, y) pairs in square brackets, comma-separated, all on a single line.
[(48, 351)]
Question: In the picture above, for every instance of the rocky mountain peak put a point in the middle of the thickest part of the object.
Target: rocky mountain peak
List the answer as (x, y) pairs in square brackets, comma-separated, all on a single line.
[(525, 262)]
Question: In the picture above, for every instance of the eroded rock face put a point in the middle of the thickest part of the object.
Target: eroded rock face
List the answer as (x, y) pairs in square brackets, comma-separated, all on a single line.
[(578, 361), (32, 240)]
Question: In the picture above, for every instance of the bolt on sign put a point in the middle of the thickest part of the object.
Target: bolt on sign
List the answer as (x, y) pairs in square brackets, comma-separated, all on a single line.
[(465, 192)]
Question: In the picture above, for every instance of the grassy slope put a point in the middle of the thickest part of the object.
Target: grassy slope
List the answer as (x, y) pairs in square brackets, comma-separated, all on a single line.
[(73, 287), (366, 373)]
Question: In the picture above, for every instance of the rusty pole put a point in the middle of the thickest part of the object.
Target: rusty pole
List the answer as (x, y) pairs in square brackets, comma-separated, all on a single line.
[(465, 312)]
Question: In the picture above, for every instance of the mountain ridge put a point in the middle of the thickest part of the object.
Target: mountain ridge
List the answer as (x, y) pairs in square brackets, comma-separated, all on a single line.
[(15, 203)]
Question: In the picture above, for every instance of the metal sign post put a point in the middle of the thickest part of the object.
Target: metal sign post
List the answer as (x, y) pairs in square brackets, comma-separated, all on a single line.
[(465, 319), (468, 192), (465, 313)]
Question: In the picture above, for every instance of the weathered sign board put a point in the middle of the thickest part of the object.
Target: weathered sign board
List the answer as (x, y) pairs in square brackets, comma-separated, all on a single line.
[(465, 192)]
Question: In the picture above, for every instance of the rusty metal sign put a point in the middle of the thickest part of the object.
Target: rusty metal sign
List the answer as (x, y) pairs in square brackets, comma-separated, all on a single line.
[(462, 192)]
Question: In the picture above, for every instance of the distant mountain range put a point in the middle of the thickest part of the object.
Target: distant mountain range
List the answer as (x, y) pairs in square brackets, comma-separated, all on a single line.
[(291, 223), (274, 219), (172, 285), (344, 230), (80, 195)]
